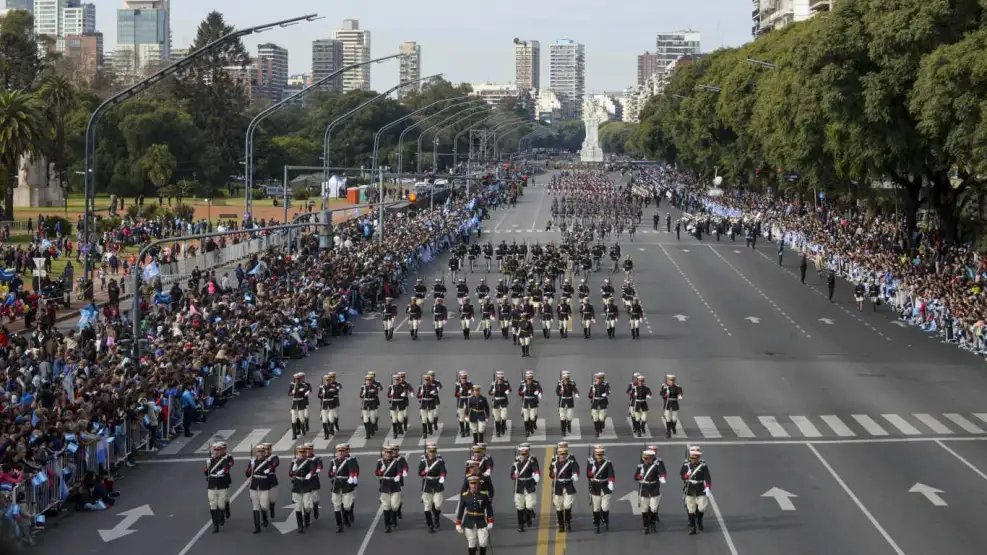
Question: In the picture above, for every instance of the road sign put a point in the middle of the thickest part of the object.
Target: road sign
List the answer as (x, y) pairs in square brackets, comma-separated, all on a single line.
[(123, 528), (681, 317), (782, 497), (930, 493), (826, 321), (753, 319)]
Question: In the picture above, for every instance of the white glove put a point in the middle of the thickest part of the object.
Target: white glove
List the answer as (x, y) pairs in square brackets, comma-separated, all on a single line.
[(537, 478), (396, 478), (459, 529), (661, 479), (576, 395), (575, 477), (490, 526), (442, 479), (610, 486), (352, 480), (708, 493)]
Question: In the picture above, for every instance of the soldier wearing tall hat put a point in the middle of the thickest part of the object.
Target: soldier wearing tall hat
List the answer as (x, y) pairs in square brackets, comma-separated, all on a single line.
[(500, 392), (525, 331), (440, 316), (671, 393), (218, 480), (611, 313), (299, 392), (370, 403), (474, 469), (428, 407), (504, 313), (531, 393), (274, 461), (399, 394), (259, 472), (475, 517), (432, 470), (696, 487), (464, 388), (301, 474), (344, 476), (636, 312), (601, 477), (588, 314), (478, 411), (565, 317), (563, 470), (466, 315), (390, 475), (526, 475), (517, 314), (567, 393), (599, 397), (488, 313), (639, 394), (650, 476), (316, 483), (388, 314), (414, 312), (329, 398)]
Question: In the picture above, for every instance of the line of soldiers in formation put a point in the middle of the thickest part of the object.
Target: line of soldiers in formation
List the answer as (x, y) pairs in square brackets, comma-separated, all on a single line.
[(474, 512), (473, 409)]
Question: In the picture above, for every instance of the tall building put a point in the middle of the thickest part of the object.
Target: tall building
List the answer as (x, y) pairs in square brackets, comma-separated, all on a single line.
[(26, 5), (647, 65), (327, 58), (49, 16), (86, 50), (527, 64), (79, 20), (567, 76), (272, 70), (410, 67), (143, 35), (775, 14), (356, 49), (756, 18)]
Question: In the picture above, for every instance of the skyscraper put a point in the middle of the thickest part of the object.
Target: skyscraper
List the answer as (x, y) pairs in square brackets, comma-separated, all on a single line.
[(647, 65), (48, 16), (327, 58), (527, 64), (671, 46), (79, 20), (143, 35), (356, 49), (567, 76), (410, 67), (272, 70)]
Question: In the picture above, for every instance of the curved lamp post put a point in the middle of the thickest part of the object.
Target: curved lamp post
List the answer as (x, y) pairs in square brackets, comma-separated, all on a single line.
[(504, 131), (455, 141), (496, 129), (421, 121), (459, 116)]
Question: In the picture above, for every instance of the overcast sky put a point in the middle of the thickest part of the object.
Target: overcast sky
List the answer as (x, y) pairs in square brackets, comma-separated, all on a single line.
[(469, 40)]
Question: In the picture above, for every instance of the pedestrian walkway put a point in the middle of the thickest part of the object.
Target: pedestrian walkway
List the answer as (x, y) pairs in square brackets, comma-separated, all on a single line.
[(826, 426)]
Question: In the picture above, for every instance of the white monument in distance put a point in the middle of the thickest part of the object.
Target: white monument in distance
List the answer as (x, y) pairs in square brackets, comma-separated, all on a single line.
[(593, 116)]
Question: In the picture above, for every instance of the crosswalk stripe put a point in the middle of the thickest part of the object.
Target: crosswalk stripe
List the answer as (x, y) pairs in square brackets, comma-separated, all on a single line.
[(873, 428), (577, 432), (176, 445), (461, 440), (389, 439), (255, 436), (962, 422), (435, 437), (837, 425), (806, 426), (285, 443), (739, 427), (981, 415), (359, 438), (320, 443), (609, 432), (902, 424), (504, 438), (707, 427), (933, 424), (539, 435), (774, 428), (647, 430), (220, 435)]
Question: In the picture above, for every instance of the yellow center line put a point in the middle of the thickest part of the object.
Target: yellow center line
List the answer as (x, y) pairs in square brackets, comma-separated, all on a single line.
[(545, 507)]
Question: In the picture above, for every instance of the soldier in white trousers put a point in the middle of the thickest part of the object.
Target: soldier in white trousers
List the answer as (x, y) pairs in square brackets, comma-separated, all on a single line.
[(391, 475), (526, 475), (475, 518), (432, 470)]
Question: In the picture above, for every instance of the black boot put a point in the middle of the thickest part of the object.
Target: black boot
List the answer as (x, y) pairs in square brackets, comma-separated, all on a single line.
[(348, 518), (256, 522), (462, 429), (692, 524), (646, 518), (294, 430), (476, 439), (520, 521), (300, 520), (306, 425), (366, 427), (560, 516), (466, 334), (325, 430), (308, 519), (226, 513), (472, 551), (315, 511), (483, 437), (436, 518), (263, 519), (668, 429), (271, 510), (483, 551), (215, 520), (398, 512), (424, 430), (606, 519), (675, 428), (596, 521), (339, 522), (568, 520), (387, 522), (637, 427), (699, 520), (654, 522), (428, 521)]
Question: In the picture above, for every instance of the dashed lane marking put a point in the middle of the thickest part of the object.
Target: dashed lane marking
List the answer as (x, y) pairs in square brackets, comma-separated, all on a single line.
[(696, 291), (761, 293)]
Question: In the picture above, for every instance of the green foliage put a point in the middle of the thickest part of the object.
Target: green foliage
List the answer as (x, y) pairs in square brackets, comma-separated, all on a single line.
[(299, 194), (106, 225), (149, 211), (158, 164), (614, 136), (133, 211), (185, 212), (20, 63), (52, 224)]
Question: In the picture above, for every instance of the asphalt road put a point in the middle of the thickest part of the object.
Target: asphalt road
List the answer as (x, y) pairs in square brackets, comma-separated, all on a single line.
[(827, 430)]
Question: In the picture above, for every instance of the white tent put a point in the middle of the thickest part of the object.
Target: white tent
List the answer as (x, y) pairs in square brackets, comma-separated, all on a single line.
[(335, 188)]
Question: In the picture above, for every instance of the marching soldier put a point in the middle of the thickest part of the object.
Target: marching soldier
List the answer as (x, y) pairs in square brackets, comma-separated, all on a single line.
[(389, 472), (299, 392), (388, 313), (588, 314), (344, 472), (567, 393), (370, 404), (466, 315), (611, 313), (636, 315), (474, 469), (524, 332), (432, 470), (405, 468), (217, 472), (696, 484), (414, 312), (478, 411), (601, 477), (500, 392), (475, 517), (259, 473), (440, 316), (329, 397), (516, 316), (504, 313), (301, 473), (316, 483), (650, 476), (672, 395), (274, 462), (462, 289), (640, 393), (564, 473), (531, 393), (546, 317), (526, 475), (488, 313), (399, 394), (484, 459), (428, 408), (463, 389), (599, 397), (565, 317)]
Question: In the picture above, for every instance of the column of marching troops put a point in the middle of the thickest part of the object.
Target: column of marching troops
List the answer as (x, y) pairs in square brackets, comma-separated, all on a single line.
[(474, 516)]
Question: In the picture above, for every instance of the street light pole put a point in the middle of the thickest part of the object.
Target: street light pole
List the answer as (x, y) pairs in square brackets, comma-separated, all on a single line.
[(458, 116), (531, 136), (252, 126), (421, 121), (89, 150), (498, 127), (508, 129), (455, 141), (473, 112)]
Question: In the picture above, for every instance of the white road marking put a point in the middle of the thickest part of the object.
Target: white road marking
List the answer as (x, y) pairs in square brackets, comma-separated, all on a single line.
[(468, 439), (255, 436), (771, 424), (176, 445), (647, 431), (219, 435), (438, 434), (723, 526), (837, 425), (191, 543), (739, 426), (506, 438), (962, 422), (960, 458), (285, 443), (370, 532), (539, 434), (403, 322), (609, 432), (696, 291), (933, 424), (877, 525), (806, 426), (320, 443), (577, 432), (359, 438), (981, 415), (902, 424), (707, 427), (873, 428)]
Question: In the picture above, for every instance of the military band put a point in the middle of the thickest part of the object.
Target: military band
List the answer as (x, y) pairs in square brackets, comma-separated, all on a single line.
[(329, 399), (500, 393), (218, 480), (526, 474), (563, 470), (344, 477), (432, 470), (601, 477), (299, 390)]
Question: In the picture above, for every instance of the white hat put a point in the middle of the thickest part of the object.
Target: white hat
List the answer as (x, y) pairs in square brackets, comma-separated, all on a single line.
[(695, 452), (649, 453)]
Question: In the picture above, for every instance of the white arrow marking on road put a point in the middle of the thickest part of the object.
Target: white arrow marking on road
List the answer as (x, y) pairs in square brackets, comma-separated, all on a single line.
[(930, 493), (129, 519), (900, 324), (736, 252), (826, 321), (681, 317), (783, 498), (451, 516), (371, 316), (289, 524), (641, 249), (633, 500), (753, 319), (685, 250)]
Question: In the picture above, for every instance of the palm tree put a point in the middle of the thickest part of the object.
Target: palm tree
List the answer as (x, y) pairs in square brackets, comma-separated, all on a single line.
[(158, 164), (22, 131), (59, 94)]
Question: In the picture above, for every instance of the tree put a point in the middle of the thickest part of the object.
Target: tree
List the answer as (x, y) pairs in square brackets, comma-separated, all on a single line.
[(433, 91), (614, 136), (59, 95), (22, 131), (158, 164), (20, 63)]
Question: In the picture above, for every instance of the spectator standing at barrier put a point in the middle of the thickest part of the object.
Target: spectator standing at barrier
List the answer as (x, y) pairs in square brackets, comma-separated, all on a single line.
[(189, 409)]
